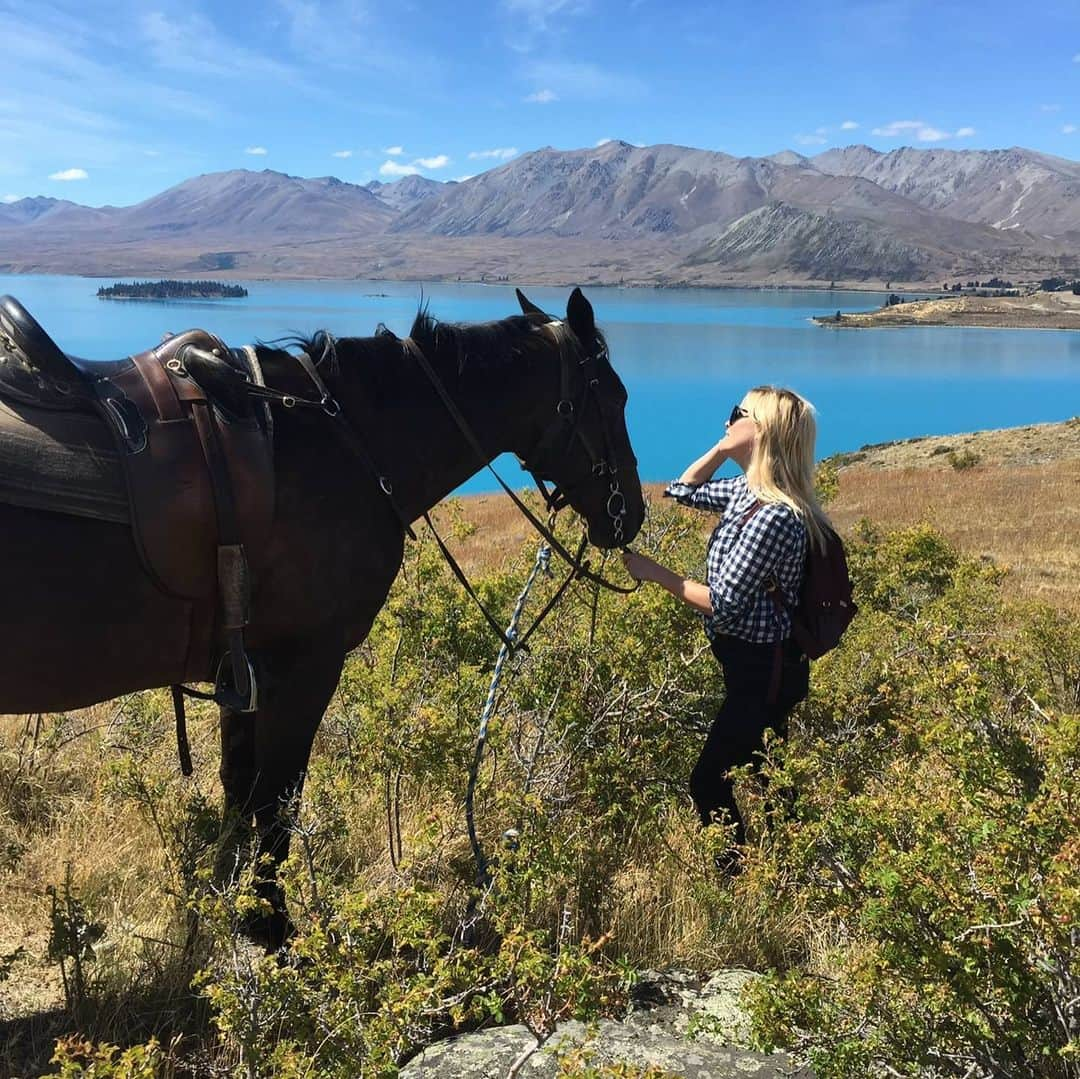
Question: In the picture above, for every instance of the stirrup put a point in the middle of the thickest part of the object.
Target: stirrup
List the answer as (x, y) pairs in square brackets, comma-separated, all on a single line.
[(226, 693)]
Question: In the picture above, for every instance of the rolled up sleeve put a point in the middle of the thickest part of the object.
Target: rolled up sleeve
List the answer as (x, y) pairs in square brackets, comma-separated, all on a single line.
[(713, 495)]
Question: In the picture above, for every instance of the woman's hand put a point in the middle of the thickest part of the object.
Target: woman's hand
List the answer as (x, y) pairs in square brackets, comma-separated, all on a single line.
[(639, 566), (738, 441)]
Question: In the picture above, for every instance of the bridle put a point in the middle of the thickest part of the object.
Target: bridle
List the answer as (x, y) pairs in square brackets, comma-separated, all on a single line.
[(559, 436), (565, 428)]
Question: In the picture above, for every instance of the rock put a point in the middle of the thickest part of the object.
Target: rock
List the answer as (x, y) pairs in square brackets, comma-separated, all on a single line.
[(678, 1022), (685, 1005)]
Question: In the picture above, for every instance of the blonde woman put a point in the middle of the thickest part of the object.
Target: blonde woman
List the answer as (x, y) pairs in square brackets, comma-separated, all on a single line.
[(768, 518)]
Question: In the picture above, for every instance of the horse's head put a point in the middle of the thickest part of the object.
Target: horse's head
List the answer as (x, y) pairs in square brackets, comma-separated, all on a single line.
[(579, 440)]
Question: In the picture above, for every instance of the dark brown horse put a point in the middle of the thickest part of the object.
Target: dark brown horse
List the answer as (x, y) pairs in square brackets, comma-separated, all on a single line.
[(81, 621)]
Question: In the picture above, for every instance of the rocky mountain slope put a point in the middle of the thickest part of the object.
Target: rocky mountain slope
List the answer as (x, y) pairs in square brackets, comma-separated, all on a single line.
[(667, 214), (1006, 189)]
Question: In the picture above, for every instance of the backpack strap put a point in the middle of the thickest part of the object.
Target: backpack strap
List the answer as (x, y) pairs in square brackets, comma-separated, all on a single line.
[(758, 505)]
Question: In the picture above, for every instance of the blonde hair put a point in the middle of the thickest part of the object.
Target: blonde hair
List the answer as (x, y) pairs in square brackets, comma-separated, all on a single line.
[(782, 466)]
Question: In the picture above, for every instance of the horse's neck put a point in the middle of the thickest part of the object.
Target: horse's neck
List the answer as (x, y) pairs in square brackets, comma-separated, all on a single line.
[(437, 456)]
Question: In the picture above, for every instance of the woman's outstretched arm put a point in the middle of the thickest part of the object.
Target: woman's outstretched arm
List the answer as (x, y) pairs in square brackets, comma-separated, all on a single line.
[(692, 593)]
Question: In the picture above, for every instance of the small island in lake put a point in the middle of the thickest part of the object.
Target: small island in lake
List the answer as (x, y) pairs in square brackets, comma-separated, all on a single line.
[(171, 290)]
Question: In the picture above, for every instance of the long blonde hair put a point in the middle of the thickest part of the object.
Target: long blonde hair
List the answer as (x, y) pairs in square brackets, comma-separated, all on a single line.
[(782, 466)]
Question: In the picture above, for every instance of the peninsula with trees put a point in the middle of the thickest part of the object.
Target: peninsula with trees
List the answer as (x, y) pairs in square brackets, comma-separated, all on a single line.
[(171, 290)]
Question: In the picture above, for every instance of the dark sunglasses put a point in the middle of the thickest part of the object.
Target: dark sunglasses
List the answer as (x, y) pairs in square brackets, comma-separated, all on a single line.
[(737, 413)]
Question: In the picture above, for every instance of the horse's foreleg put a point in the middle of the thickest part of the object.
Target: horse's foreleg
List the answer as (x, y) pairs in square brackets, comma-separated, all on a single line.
[(238, 782), (297, 682)]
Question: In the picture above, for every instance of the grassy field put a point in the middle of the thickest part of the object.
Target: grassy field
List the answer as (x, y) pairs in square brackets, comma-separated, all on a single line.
[(1012, 497)]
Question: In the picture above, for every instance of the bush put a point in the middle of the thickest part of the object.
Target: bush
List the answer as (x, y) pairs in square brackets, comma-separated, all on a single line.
[(932, 845), (961, 459), (910, 881)]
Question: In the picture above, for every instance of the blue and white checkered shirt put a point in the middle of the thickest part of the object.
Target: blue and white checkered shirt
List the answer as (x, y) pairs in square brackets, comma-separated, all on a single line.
[(743, 559)]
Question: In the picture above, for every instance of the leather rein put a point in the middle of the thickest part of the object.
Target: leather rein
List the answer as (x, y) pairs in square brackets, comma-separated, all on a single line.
[(567, 422)]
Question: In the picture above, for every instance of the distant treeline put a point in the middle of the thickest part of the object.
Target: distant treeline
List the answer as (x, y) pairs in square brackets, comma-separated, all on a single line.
[(171, 290)]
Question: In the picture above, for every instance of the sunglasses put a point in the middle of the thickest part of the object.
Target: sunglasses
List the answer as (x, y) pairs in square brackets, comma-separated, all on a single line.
[(738, 413)]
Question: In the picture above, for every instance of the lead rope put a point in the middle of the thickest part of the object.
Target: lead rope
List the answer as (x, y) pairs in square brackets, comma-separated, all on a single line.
[(483, 874)]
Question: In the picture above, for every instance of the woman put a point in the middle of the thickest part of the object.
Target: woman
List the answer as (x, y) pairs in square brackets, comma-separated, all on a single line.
[(755, 565)]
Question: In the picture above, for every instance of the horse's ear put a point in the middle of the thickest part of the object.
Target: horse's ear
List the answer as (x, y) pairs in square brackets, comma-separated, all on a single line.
[(527, 306), (579, 314)]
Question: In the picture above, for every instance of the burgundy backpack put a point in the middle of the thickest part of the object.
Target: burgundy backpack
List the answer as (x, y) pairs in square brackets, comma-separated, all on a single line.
[(825, 607)]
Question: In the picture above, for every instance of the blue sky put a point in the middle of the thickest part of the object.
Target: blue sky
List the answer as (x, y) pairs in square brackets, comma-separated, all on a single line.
[(113, 102)]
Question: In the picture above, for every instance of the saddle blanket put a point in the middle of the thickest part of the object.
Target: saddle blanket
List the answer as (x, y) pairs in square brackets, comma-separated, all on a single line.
[(64, 462)]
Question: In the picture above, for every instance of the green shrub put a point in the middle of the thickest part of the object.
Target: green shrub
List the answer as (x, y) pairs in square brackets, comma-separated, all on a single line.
[(933, 839), (961, 459)]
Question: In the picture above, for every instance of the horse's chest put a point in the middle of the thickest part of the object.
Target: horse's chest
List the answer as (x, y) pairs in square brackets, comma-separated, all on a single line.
[(338, 572)]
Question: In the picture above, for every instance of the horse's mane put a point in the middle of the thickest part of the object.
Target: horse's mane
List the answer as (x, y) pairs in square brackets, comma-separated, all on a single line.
[(483, 346)]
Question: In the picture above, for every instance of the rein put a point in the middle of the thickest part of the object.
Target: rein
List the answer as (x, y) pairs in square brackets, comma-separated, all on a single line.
[(579, 567)]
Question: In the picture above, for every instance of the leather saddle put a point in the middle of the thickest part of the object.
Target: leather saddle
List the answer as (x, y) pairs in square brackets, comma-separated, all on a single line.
[(196, 452)]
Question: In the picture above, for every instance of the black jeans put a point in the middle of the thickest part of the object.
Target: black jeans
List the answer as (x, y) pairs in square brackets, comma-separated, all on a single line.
[(743, 717)]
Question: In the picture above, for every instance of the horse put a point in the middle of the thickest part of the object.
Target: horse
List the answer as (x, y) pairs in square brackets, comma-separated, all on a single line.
[(83, 622)]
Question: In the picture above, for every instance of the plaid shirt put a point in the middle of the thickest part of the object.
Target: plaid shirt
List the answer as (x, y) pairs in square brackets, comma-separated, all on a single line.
[(743, 559)]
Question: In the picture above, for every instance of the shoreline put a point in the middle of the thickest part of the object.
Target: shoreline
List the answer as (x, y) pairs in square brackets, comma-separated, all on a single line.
[(516, 282), (1036, 311)]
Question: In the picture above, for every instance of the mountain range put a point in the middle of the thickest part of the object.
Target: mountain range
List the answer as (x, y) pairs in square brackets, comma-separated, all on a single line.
[(662, 215)]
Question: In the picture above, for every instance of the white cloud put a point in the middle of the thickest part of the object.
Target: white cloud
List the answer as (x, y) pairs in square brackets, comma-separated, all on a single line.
[(811, 140), (256, 151), (542, 97), (1076, 58), (1049, 108), (1068, 129), (848, 125), (584, 81), (394, 168), (394, 151), (921, 131), (603, 142), (439, 161), (10, 198), (462, 179), (190, 44), (70, 174), (898, 127), (538, 12), (502, 153), (342, 153)]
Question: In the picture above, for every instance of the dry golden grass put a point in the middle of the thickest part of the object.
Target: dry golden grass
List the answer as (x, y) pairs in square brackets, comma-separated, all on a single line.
[(1025, 518), (1018, 504)]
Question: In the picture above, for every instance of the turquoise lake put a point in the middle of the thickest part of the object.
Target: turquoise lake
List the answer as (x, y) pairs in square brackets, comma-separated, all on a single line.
[(685, 355)]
